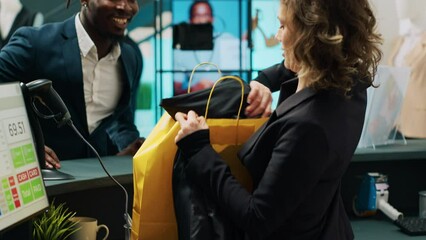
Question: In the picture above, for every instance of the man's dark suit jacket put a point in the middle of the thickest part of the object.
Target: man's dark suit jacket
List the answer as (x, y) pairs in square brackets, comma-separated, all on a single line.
[(52, 52), (296, 160)]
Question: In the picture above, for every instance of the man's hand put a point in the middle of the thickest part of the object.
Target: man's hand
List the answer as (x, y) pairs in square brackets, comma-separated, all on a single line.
[(52, 161), (259, 100), (132, 148)]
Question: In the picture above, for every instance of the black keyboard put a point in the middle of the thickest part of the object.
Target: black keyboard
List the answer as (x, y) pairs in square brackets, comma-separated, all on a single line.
[(412, 225)]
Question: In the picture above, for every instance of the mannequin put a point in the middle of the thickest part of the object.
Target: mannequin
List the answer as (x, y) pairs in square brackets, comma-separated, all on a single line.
[(14, 15), (409, 51)]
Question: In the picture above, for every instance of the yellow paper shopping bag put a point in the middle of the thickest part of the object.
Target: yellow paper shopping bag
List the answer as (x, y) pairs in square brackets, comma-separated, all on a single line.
[(153, 212), (153, 207)]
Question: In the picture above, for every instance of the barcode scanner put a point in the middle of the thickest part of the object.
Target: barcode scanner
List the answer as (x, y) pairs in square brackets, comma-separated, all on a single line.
[(42, 91)]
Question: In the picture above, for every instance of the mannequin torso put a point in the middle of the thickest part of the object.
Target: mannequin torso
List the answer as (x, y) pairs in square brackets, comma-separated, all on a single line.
[(410, 51), (14, 15), (9, 9)]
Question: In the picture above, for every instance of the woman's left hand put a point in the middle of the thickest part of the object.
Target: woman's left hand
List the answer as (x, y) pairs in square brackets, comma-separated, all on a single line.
[(259, 100), (189, 123)]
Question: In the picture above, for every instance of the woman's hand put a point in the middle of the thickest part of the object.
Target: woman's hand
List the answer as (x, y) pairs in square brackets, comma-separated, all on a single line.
[(259, 100), (189, 123), (51, 159)]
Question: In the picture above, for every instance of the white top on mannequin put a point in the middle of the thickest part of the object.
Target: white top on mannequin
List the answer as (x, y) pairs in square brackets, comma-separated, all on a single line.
[(412, 25), (411, 9), (9, 9)]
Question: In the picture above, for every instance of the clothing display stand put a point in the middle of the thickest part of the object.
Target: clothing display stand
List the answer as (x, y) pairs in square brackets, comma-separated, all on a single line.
[(383, 107)]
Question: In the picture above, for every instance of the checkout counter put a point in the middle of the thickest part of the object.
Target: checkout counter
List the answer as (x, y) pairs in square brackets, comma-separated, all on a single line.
[(92, 193), (405, 166)]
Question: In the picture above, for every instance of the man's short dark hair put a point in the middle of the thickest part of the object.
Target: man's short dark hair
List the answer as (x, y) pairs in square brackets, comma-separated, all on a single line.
[(195, 3)]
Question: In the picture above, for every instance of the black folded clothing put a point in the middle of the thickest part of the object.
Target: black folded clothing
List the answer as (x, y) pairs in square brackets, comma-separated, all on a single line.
[(225, 101)]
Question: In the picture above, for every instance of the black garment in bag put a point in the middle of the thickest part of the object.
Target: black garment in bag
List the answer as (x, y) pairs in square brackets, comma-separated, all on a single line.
[(198, 217), (220, 106)]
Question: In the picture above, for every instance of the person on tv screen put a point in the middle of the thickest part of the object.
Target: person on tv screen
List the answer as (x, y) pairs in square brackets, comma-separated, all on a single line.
[(259, 98), (225, 53), (298, 158), (95, 71)]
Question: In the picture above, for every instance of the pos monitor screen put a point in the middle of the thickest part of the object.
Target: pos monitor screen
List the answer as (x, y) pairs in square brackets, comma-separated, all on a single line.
[(22, 190)]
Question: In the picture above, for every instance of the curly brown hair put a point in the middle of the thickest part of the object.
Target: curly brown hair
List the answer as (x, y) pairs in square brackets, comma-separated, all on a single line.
[(336, 43)]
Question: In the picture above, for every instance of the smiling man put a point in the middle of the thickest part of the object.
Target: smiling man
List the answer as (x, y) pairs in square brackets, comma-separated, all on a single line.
[(95, 71)]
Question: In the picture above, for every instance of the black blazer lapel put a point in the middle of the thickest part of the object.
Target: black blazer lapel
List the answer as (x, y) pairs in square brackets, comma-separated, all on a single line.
[(294, 100), (289, 101)]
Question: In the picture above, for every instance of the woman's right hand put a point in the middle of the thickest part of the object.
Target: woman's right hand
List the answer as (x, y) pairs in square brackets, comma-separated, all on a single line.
[(189, 123), (52, 160)]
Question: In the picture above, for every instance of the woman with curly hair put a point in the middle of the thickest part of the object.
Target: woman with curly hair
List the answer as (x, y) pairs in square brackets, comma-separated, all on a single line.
[(297, 159)]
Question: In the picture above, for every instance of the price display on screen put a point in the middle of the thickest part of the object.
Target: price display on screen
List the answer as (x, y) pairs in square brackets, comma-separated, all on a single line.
[(22, 191)]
